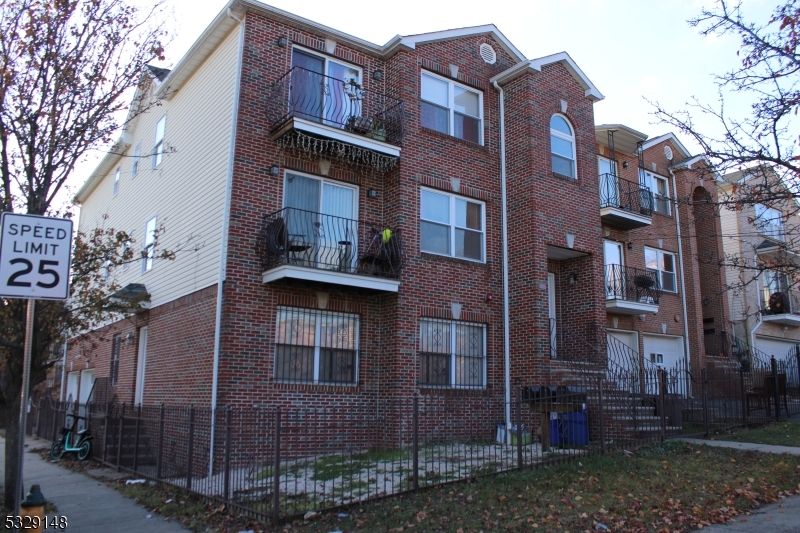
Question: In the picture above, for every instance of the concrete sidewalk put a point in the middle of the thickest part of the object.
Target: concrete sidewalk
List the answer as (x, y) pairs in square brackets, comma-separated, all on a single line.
[(88, 504), (782, 517)]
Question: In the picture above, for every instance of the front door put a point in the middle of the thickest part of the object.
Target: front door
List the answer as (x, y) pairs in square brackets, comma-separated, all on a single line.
[(85, 394), (323, 216), (551, 312), (72, 386), (615, 282), (609, 186), (141, 365)]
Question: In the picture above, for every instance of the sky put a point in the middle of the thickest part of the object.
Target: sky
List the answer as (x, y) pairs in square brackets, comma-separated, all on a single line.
[(630, 49)]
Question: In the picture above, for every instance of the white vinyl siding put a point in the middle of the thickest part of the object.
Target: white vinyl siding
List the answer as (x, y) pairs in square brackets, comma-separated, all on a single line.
[(188, 192), (137, 154)]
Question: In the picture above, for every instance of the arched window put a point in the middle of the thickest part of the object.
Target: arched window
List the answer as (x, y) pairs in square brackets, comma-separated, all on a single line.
[(562, 146)]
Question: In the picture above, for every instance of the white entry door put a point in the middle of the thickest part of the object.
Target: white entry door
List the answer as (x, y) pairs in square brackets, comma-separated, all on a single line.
[(141, 365), (612, 258), (72, 387), (666, 352), (609, 188), (551, 312), (87, 382)]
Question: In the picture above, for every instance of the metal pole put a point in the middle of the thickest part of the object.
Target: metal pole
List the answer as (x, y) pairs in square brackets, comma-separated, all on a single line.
[(743, 396), (602, 420), (519, 427), (775, 391), (23, 412), (276, 482), (704, 378), (416, 441)]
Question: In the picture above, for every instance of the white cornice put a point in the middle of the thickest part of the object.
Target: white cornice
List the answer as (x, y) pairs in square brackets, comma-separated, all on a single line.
[(535, 65)]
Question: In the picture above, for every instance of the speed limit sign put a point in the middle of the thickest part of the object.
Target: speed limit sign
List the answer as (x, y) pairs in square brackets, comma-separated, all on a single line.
[(35, 256)]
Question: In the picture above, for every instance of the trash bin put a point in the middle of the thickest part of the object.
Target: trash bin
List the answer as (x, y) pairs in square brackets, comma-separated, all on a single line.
[(555, 431), (574, 428)]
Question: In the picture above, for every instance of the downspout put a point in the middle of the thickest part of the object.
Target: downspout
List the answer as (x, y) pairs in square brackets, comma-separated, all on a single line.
[(686, 352), (506, 336), (760, 319), (223, 248)]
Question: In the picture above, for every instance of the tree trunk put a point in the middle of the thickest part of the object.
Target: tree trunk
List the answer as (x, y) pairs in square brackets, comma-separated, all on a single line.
[(12, 445)]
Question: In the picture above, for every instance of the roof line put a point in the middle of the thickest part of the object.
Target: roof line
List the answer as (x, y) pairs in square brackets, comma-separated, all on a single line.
[(510, 74)]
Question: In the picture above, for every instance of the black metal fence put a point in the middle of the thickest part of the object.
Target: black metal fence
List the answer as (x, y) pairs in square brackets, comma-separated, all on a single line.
[(305, 238), (274, 462), (341, 104), (632, 284), (626, 195)]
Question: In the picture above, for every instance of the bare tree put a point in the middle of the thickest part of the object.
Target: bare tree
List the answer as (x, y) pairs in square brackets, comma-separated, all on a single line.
[(67, 72), (753, 148)]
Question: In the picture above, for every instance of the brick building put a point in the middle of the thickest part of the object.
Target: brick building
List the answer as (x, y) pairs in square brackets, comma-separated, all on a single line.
[(356, 221)]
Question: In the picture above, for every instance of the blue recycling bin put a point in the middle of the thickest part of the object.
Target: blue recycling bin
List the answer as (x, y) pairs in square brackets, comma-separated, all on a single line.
[(574, 428), (555, 432)]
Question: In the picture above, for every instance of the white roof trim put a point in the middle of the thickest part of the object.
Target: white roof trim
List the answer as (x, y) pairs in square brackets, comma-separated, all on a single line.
[(667, 136), (488, 29), (114, 154), (622, 127), (590, 91)]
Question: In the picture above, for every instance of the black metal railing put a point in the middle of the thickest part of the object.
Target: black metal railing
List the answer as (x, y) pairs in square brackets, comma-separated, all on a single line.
[(776, 303), (631, 284), (626, 195), (342, 104), (305, 238)]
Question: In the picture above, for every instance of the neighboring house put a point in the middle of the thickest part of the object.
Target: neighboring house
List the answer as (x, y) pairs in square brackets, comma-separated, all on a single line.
[(760, 240), (360, 222), (662, 286)]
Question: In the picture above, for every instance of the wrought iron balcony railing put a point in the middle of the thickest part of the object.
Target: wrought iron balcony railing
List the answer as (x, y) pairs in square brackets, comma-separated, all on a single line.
[(341, 104), (631, 284), (326, 242), (626, 195)]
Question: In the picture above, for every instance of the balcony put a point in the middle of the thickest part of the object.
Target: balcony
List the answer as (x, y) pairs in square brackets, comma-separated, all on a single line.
[(778, 308), (298, 244), (630, 291), (315, 113), (624, 204)]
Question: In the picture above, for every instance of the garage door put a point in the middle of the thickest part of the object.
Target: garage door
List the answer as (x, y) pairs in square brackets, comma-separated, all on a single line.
[(780, 348), (666, 352)]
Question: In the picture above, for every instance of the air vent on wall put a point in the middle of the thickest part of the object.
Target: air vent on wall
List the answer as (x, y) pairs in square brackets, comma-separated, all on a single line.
[(488, 54), (668, 153)]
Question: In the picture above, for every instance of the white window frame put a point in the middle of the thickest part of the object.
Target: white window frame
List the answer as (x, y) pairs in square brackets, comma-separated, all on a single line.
[(453, 357), (565, 137), (158, 143), (317, 347), (452, 224), (115, 183), (148, 248), (451, 123), (650, 179), (658, 270), (765, 221), (137, 154)]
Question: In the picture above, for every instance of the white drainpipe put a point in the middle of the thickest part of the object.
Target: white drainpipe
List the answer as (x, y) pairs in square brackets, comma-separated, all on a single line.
[(223, 248), (686, 353), (63, 372), (760, 320), (506, 336)]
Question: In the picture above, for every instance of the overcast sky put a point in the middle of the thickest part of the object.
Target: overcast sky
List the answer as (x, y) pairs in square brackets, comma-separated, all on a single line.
[(628, 48)]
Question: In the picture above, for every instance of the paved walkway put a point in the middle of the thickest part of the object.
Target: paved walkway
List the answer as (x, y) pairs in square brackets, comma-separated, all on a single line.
[(782, 517), (89, 505)]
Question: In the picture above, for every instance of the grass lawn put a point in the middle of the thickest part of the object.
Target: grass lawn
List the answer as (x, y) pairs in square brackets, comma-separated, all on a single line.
[(667, 487), (782, 434)]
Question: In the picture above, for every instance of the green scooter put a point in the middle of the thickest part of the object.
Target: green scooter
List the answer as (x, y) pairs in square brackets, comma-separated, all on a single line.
[(83, 444)]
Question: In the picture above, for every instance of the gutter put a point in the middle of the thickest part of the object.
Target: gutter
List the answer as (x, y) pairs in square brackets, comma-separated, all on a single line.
[(506, 336), (687, 350), (223, 248), (760, 316), (63, 373)]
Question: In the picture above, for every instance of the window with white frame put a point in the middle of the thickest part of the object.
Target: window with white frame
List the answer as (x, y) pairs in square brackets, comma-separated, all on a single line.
[(115, 185), (125, 249), (775, 293), (452, 353), (448, 107), (313, 346), (769, 222), (562, 147), (149, 249), (451, 225), (663, 265), (659, 186), (137, 153), (158, 144)]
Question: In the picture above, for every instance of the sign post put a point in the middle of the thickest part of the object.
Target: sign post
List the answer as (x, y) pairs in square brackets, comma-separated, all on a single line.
[(35, 257)]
